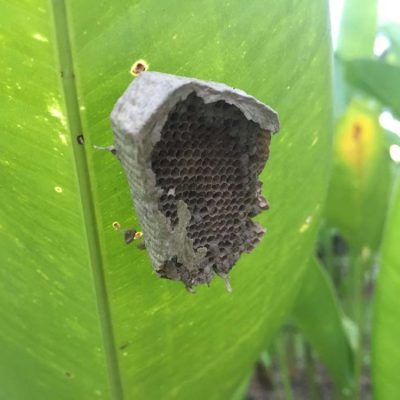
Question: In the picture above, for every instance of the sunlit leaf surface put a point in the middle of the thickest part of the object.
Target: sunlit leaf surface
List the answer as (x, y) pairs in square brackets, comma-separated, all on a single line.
[(83, 317), (319, 315), (386, 324)]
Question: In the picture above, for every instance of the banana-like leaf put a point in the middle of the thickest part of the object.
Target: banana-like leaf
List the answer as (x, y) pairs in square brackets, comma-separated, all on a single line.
[(356, 39), (361, 178), (392, 32), (357, 29), (386, 323), (318, 314), (82, 316), (378, 79)]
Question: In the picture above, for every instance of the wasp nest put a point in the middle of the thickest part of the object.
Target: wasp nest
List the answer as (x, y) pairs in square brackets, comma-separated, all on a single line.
[(192, 151)]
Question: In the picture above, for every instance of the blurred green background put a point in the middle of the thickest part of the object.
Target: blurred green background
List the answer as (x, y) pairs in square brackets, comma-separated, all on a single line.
[(342, 338)]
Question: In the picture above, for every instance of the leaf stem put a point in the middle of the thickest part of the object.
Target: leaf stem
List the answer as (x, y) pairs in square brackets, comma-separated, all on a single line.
[(87, 202), (283, 367), (358, 264), (311, 373)]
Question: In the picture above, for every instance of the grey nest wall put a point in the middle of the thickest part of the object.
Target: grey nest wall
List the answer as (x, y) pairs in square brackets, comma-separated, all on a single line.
[(192, 151)]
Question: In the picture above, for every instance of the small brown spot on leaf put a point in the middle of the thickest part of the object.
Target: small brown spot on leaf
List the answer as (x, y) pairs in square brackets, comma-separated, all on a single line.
[(138, 67), (138, 235), (116, 225), (357, 131), (129, 235), (80, 139)]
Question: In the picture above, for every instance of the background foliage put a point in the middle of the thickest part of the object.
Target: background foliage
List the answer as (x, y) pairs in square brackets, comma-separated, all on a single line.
[(348, 247)]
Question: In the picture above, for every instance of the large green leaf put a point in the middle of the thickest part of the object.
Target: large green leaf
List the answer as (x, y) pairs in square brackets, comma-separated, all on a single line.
[(82, 315), (319, 315), (361, 175), (378, 79), (392, 32), (357, 29), (356, 39), (361, 178), (386, 323), (52, 303)]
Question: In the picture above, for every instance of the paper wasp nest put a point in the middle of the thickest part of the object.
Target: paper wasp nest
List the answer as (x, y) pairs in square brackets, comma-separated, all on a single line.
[(192, 151)]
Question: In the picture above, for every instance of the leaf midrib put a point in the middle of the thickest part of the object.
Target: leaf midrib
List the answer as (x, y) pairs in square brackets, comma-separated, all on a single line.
[(84, 185)]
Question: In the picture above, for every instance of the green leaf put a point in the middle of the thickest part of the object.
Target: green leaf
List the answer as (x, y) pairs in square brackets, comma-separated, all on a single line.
[(240, 393), (392, 32), (361, 178), (357, 29), (391, 138), (83, 317), (356, 39), (318, 313), (386, 323), (378, 79)]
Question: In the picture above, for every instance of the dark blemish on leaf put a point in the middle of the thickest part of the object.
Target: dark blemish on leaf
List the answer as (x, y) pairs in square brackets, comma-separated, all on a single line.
[(357, 132), (116, 225), (138, 235), (80, 139), (129, 236), (68, 375), (138, 67), (124, 346)]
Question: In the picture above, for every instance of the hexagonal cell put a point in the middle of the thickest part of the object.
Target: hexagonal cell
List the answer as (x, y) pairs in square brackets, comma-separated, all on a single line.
[(192, 151)]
